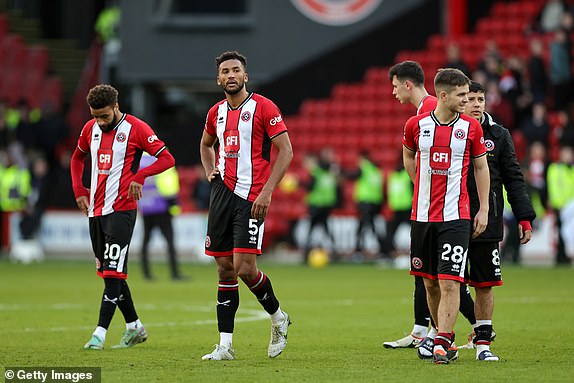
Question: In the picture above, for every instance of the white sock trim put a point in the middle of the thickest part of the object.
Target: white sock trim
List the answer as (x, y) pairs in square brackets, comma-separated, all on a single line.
[(483, 322), (226, 339), (277, 317), (420, 331), (100, 332)]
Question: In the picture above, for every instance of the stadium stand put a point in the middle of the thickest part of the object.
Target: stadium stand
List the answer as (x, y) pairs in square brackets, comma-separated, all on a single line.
[(365, 115)]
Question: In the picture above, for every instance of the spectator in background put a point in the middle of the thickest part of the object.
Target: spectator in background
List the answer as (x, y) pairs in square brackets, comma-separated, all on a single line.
[(512, 86), (158, 205), (61, 195), (498, 106), (368, 196), (566, 131), (560, 184), (560, 69), (537, 75), (536, 126), (4, 132), (536, 177), (37, 198), (52, 131), (322, 195), (107, 31), (399, 200), (25, 130), (454, 59), (15, 183), (491, 62), (551, 15)]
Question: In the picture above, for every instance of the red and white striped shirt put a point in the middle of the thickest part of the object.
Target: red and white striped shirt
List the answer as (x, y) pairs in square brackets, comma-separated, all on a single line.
[(244, 135), (443, 156), (427, 104), (115, 157)]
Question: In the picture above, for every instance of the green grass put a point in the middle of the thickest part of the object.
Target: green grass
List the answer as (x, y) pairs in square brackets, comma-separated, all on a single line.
[(341, 314)]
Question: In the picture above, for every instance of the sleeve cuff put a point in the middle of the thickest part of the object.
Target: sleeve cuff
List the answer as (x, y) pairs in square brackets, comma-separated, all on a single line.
[(526, 225)]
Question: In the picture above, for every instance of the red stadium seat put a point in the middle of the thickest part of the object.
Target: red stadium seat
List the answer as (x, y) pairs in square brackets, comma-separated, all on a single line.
[(38, 59), (52, 93)]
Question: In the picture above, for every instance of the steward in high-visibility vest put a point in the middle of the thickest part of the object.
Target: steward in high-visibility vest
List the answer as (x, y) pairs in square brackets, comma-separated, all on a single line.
[(400, 201), (323, 191), (560, 186), (369, 185), (322, 196), (399, 191), (368, 198), (15, 187)]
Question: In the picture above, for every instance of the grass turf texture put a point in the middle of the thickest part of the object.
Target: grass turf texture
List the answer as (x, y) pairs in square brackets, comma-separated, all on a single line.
[(342, 314)]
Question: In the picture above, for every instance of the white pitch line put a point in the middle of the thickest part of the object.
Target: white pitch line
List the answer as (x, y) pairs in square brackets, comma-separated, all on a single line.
[(252, 316)]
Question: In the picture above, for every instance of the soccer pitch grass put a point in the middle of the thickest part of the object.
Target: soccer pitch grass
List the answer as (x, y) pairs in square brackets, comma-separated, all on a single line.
[(342, 314)]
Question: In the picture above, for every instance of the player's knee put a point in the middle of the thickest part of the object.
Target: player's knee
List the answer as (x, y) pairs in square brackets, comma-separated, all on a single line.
[(225, 268), (449, 287), (433, 291), (247, 272), (483, 291)]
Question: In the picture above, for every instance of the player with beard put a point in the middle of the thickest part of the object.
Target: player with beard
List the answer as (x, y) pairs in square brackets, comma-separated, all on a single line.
[(115, 142), (244, 125)]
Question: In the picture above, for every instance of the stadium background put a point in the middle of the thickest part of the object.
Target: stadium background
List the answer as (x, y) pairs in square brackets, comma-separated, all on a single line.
[(324, 63)]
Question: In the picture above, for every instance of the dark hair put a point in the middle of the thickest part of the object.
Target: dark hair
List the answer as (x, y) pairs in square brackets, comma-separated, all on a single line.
[(408, 70), (101, 96), (448, 78), (230, 55), (476, 87)]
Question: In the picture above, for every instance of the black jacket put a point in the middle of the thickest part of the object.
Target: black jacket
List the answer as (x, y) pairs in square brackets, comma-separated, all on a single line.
[(504, 170)]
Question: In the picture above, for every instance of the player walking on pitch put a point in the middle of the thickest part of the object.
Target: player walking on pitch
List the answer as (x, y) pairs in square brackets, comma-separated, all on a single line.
[(115, 141), (407, 79), (437, 150)]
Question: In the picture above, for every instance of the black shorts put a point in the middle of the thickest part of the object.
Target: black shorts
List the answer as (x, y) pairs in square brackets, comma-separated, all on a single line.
[(439, 249), (484, 264), (230, 228), (111, 236)]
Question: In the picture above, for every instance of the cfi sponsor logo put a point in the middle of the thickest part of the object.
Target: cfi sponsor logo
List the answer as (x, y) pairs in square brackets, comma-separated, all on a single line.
[(152, 138)]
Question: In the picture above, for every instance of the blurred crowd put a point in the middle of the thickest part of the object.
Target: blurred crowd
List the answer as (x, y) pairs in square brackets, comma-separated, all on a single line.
[(34, 165), (532, 96)]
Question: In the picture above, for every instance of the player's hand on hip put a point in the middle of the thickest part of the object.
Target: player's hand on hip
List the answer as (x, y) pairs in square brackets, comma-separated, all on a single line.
[(261, 205), (214, 173), (135, 191), (479, 224), (83, 204)]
